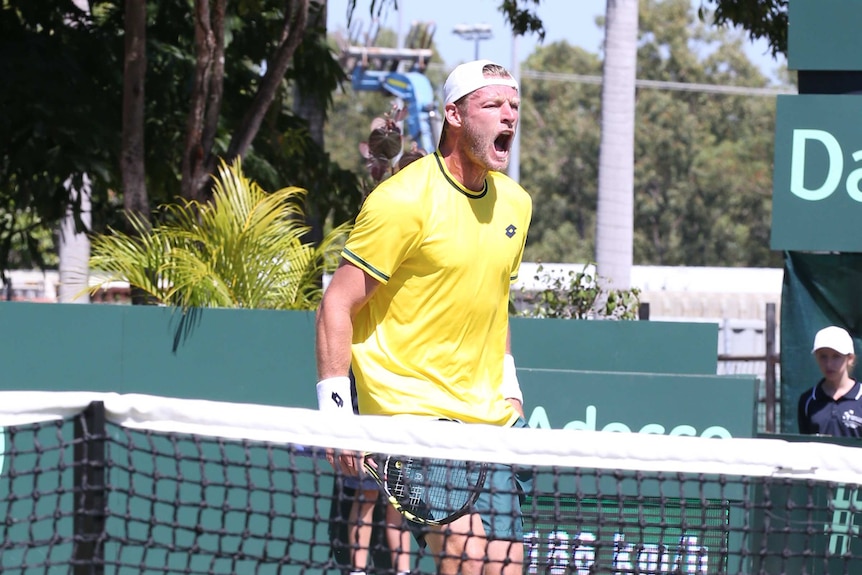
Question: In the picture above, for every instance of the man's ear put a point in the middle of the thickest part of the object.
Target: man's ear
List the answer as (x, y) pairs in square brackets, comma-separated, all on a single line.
[(452, 114)]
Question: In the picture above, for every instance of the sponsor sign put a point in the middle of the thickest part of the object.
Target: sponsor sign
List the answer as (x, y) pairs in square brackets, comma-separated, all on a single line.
[(817, 183)]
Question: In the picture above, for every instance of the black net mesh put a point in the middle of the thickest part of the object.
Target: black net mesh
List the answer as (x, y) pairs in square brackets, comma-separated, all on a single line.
[(82, 496)]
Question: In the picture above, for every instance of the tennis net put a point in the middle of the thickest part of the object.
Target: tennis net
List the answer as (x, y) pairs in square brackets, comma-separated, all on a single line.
[(108, 483)]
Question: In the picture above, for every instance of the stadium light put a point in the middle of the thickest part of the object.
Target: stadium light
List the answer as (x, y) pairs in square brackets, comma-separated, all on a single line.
[(475, 32)]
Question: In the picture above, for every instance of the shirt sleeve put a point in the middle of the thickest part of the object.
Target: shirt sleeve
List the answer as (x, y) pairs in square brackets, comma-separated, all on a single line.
[(387, 230), (527, 210)]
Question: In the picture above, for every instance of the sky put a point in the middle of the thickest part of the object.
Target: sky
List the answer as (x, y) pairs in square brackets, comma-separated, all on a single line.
[(570, 20)]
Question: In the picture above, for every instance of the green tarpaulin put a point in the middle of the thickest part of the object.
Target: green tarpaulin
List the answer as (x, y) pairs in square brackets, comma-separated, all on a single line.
[(819, 290)]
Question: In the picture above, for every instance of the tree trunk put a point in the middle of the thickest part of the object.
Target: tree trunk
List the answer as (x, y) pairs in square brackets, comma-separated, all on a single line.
[(313, 111), (309, 108), (135, 198), (295, 20), (74, 246), (615, 214), (198, 158), (205, 106)]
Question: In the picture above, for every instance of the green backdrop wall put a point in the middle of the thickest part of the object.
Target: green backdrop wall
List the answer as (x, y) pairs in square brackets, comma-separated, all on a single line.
[(262, 356)]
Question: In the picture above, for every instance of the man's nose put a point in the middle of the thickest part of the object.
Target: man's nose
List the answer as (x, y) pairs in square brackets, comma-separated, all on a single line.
[(509, 113)]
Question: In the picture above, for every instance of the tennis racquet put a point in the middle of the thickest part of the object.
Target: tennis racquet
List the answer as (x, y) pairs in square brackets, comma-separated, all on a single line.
[(427, 491)]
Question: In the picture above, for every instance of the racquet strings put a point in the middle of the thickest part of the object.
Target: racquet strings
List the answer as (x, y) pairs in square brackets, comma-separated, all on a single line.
[(432, 488)]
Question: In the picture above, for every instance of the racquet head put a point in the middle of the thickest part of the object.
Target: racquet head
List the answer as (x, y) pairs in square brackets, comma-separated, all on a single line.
[(427, 491)]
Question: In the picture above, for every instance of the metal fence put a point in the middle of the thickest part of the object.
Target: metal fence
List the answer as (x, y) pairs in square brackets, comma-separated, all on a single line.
[(767, 368), (768, 402)]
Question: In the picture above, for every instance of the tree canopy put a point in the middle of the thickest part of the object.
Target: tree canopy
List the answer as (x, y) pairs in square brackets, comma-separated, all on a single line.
[(63, 77), (763, 19), (703, 160), (62, 99)]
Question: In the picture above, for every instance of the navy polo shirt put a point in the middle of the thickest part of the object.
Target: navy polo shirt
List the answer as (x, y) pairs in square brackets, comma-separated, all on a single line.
[(820, 414)]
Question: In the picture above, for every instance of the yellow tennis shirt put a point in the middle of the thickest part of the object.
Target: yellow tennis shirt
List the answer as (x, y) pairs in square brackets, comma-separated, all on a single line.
[(431, 339)]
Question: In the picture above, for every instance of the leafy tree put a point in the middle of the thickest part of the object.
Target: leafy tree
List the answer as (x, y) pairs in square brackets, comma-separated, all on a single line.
[(764, 19), (132, 164), (312, 109), (283, 28), (703, 160), (60, 73), (559, 152), (703, 176), (520, 14), (63, 96), (243, 249)]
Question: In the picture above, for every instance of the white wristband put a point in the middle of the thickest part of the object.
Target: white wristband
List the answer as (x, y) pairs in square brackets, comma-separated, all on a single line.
[(333, 394), (511, 389)]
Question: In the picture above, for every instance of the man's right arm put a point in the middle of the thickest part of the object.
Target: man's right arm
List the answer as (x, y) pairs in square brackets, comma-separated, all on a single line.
[(348, 291)]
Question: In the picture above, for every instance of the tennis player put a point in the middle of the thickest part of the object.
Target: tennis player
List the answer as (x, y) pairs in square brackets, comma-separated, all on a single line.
[(419, 303), (359, 530)]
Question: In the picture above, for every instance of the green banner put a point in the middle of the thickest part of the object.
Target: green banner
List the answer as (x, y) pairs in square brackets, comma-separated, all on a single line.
[(817, 183), (574, 535), (661, 404), (824, 35)]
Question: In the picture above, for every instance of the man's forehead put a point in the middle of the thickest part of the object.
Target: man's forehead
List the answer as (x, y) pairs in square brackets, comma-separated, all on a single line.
[(495, 92)]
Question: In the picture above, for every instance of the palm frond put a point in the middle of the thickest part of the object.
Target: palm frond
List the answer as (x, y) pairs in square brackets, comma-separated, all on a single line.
[(244, 249)]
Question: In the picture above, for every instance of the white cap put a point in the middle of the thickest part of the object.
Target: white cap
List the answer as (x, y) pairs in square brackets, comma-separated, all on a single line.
[(835, 338), (468, 77)]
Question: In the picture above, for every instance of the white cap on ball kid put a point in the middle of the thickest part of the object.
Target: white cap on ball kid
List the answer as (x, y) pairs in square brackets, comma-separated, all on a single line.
[(833, 337)]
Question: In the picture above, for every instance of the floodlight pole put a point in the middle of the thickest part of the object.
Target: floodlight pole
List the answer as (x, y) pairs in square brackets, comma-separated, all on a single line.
[(475, 32)]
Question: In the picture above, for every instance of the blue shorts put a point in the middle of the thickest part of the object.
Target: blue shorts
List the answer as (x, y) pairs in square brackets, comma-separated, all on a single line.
[(500, 501)]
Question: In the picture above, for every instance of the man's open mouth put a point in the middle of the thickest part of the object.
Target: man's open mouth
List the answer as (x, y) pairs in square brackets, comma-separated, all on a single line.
[(502, 143)]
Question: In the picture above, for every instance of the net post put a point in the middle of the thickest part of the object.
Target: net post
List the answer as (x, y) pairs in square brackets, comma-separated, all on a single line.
[(88, 556)]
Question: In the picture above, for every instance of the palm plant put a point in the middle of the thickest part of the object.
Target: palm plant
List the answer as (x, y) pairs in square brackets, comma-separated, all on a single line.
[(243, 249)]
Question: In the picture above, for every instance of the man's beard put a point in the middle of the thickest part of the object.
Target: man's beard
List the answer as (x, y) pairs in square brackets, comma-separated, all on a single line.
[(481, 148)]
